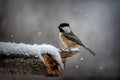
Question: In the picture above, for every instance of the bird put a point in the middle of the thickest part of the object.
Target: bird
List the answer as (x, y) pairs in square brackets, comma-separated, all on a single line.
[(69, 39)]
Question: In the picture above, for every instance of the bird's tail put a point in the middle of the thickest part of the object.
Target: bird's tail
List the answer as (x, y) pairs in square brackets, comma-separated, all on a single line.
[(89, 50)]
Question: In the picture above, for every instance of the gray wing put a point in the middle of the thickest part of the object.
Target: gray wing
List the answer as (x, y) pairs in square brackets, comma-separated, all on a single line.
[(73, 38), (77, 40)]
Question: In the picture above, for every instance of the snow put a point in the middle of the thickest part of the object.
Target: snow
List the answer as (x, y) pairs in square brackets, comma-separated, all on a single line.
[(81, 58), (11, 35), (70, 49), (75, 49), (27, 49), (39, 33), (100, 68), (76, 66), (81, 11)]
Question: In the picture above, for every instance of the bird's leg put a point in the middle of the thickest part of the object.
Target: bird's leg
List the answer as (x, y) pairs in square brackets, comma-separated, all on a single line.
[(69, 49), (62, 50), (66, 48)]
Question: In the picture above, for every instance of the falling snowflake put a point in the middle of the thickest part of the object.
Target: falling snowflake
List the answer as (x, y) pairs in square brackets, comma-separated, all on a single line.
[(11, 35), (81, 11), (100, 68), (76, 66), (39, 33), (81, 58)]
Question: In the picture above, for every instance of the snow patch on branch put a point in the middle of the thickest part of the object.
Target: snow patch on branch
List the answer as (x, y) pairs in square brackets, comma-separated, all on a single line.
[(27, 49)]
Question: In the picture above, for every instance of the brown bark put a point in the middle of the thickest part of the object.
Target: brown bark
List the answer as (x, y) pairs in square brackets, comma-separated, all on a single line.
[(22, 64)]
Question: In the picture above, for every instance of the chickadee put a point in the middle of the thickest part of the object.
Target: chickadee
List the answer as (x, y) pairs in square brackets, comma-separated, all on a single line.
[(69, 39)]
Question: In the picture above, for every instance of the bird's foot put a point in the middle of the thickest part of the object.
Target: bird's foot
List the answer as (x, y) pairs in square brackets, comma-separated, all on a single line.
[(69, 49)]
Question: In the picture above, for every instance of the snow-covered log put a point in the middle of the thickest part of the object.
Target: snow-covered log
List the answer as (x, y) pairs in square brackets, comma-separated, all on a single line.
[(42, 59)]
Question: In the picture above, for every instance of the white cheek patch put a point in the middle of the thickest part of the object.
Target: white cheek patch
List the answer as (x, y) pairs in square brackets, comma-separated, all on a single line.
[(67, 29)]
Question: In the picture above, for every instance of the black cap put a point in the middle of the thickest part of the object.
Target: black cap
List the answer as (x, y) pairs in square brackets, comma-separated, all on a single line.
[(64, 24)]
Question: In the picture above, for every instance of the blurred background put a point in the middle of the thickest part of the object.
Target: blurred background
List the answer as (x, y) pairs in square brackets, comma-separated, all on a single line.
[(95, 22)]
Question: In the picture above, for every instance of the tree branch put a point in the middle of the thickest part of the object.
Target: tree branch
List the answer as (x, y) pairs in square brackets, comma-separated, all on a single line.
[(24, 64)]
